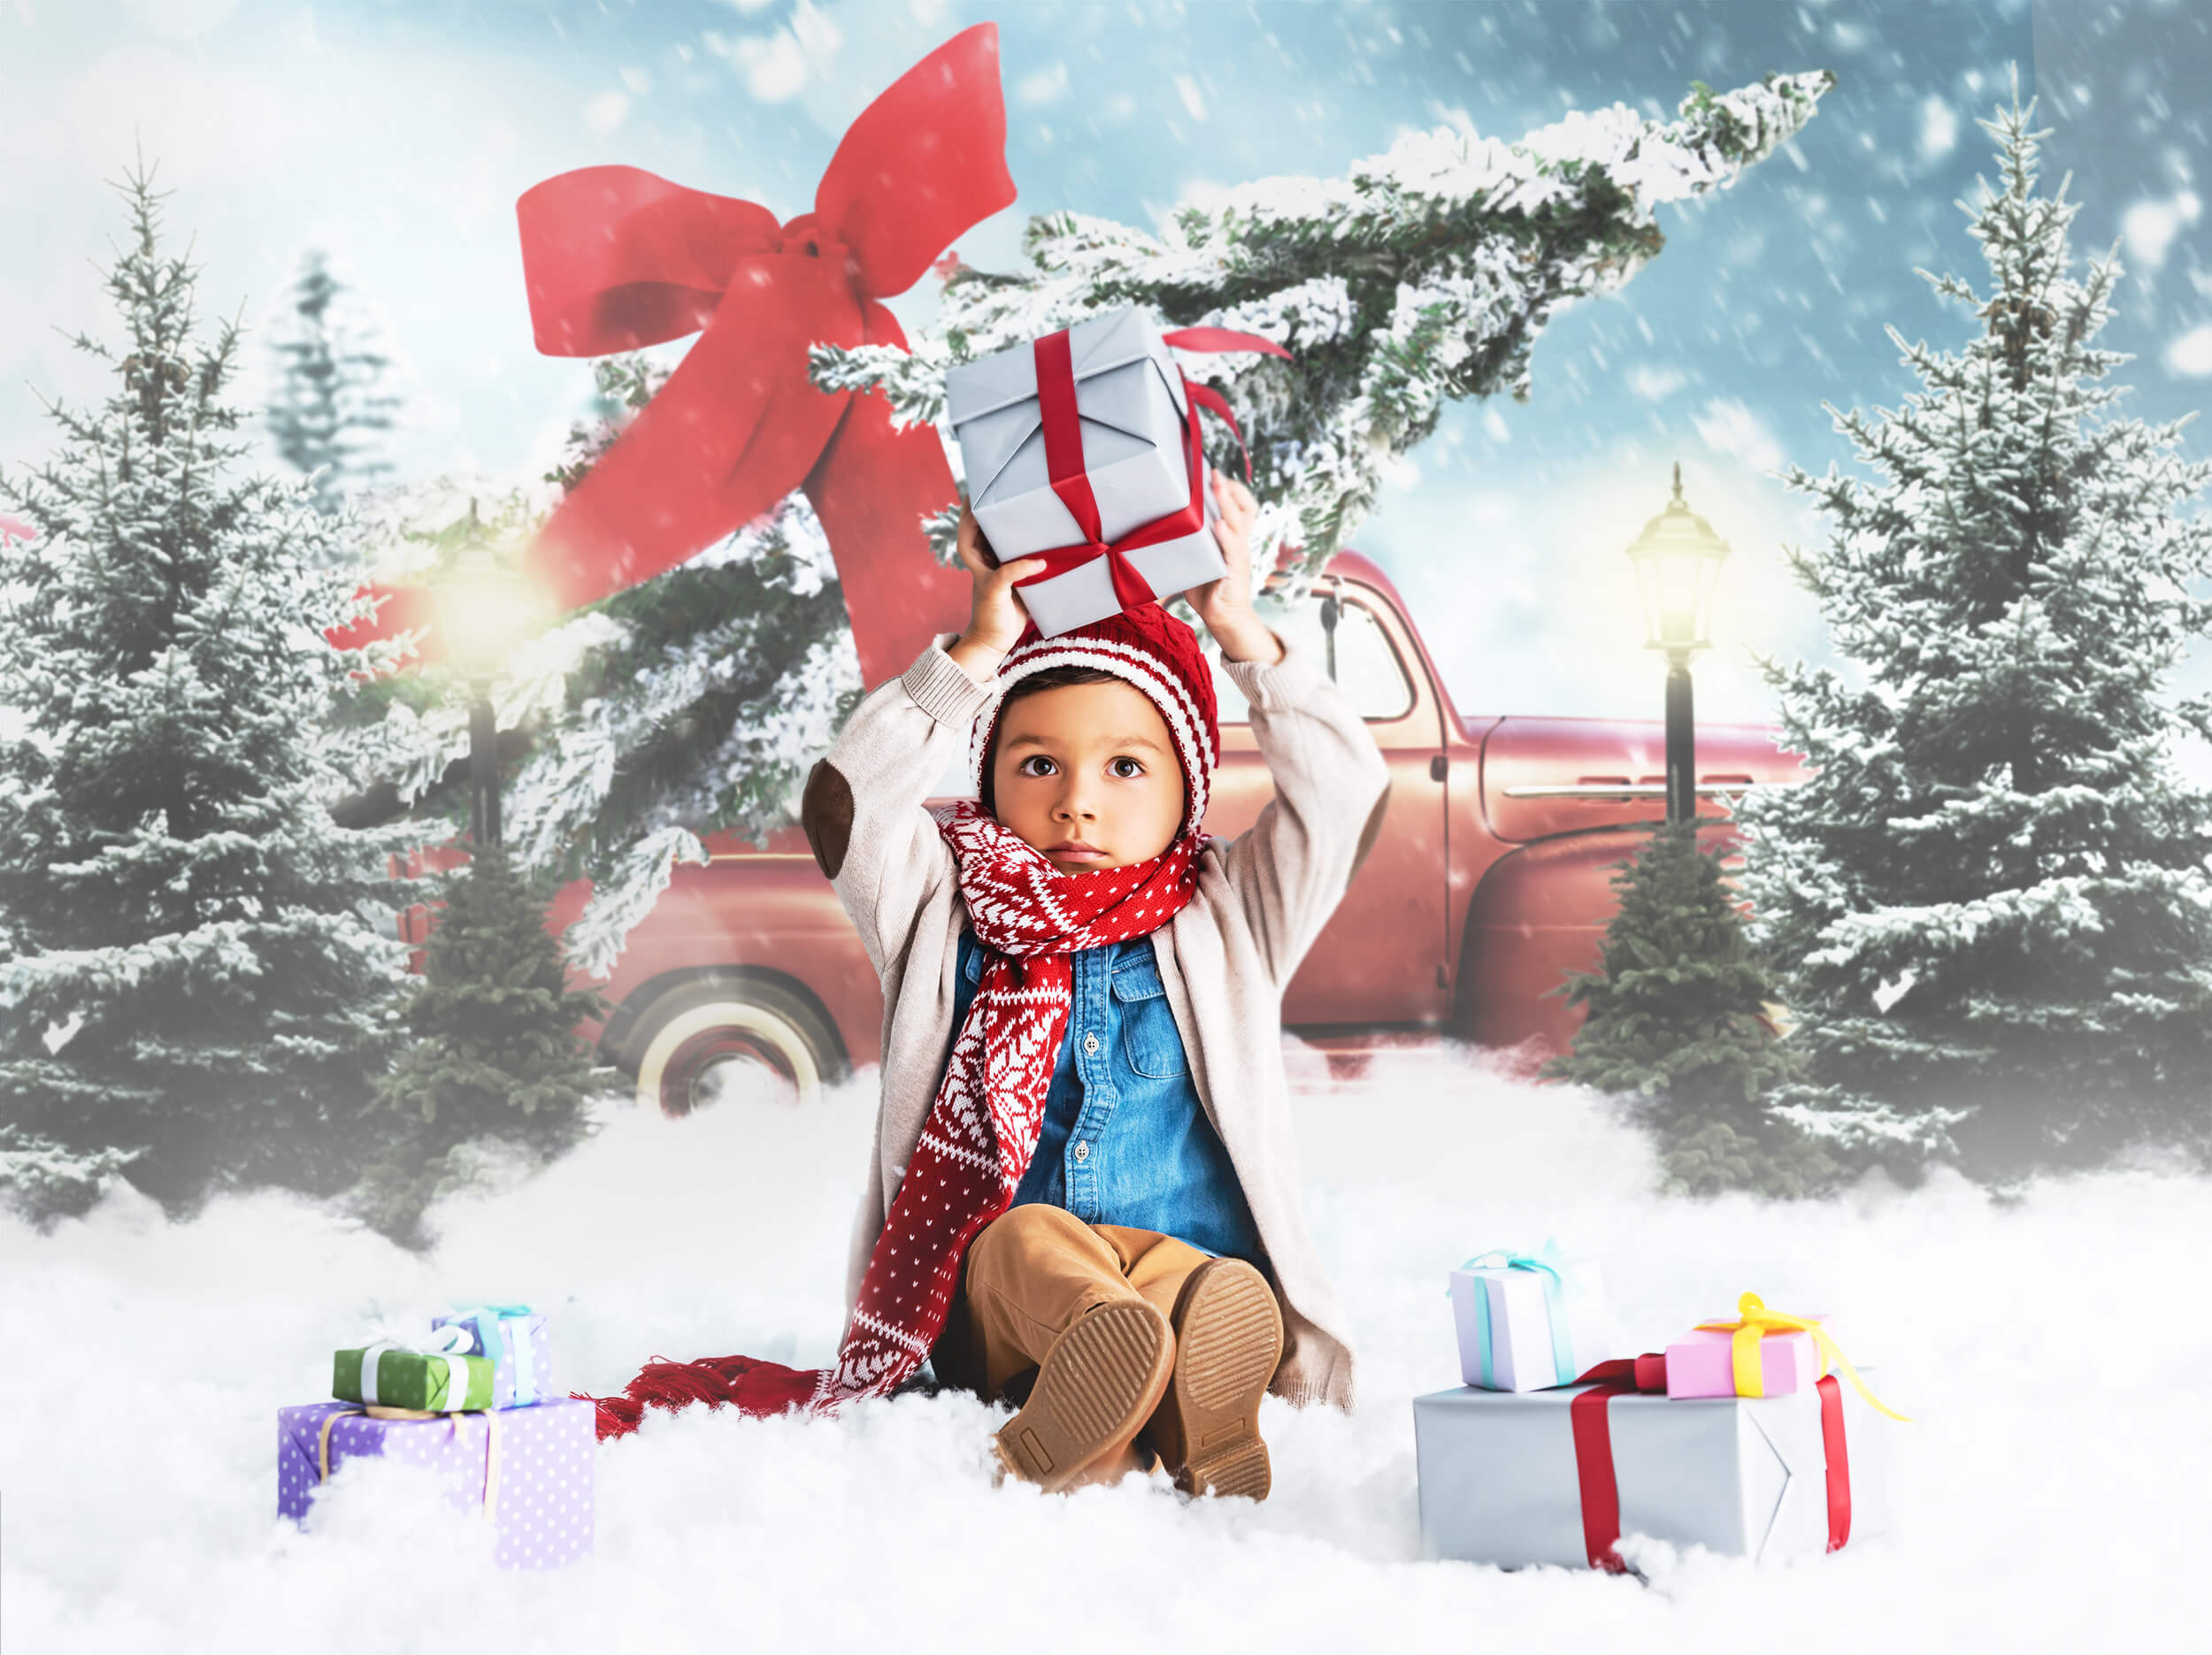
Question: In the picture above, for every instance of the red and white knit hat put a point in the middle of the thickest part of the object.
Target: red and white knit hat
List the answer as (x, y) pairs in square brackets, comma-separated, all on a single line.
[(1148, 648)]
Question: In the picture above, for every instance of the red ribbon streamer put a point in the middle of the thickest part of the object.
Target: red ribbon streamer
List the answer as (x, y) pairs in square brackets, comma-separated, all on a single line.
[(1219, 339), (1594, 1454), (1063, 427), (1839, 1462), (616, 259), (1594, 1470)]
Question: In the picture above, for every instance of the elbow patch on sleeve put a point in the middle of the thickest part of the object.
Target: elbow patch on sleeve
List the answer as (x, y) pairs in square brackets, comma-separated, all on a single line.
[(826, 812), (1366, 834)]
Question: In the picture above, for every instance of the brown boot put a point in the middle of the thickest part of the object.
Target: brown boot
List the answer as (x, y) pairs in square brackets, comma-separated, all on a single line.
[(1097, 1385), (1111, 1467), (1228, 1339)]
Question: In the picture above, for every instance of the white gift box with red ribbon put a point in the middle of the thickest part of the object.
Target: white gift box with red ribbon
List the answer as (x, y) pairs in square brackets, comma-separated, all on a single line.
[(1082, 447), (1559, 1476)]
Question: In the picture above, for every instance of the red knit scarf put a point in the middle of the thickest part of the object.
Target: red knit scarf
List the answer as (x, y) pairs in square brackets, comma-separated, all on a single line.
[(981, 1130)]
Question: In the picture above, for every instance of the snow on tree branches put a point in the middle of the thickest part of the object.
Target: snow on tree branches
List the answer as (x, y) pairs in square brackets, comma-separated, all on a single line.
[(1422, 276), (1993, 889), (689, 704)]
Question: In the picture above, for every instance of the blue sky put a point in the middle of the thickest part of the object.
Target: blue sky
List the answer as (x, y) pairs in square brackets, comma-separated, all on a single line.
[(398, 133)]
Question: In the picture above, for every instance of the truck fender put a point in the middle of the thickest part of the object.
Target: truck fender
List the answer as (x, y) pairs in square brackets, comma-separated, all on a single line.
[(1540, 912)]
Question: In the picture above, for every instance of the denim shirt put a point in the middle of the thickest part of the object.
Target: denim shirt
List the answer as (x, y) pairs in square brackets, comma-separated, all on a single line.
[(1125, 1140)]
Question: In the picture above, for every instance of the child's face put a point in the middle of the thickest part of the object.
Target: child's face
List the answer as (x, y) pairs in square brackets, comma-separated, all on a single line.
[(1087, 774)]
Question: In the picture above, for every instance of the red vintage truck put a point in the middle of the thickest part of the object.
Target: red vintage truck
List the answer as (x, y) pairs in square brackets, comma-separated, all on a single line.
[(1490, 879)]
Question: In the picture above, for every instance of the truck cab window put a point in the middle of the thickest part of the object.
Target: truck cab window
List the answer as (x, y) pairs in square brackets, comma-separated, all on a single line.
[(1367, 668)]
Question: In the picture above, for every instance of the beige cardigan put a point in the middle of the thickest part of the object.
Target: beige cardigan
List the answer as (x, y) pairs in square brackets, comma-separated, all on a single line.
[(1262, 897)]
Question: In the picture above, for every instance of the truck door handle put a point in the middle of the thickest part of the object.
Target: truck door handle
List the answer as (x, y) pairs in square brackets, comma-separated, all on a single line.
[(1440, 767), (1631, 790)]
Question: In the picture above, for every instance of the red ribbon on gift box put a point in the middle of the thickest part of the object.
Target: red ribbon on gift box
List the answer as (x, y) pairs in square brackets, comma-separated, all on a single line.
[(1594, 1453), (1063, 460), (616, 258)]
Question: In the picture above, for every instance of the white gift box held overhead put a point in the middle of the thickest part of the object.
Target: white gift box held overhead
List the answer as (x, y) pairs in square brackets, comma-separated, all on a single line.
[(1525, 1322), (1502, 1476), (1134, 416)]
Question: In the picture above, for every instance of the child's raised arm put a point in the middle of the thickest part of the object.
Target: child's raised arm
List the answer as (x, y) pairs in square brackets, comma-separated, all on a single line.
[(863, 808), (1290, 869)]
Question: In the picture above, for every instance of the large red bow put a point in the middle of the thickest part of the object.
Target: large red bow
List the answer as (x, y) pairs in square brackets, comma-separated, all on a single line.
[(616, 259)]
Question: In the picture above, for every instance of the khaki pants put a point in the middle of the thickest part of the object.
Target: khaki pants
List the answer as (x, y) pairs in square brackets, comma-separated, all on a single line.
[(1028, 1278)]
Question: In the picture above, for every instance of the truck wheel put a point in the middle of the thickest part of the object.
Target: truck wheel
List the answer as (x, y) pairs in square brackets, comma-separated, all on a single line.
[(698, 1039)]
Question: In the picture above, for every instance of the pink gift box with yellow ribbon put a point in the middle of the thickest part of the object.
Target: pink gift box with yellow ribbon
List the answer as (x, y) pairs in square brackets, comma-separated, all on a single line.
[(1761, 1353), (1702, 1363)]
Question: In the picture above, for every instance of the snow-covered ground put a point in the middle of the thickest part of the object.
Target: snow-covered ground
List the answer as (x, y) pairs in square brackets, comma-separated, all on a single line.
[(2055, 1353)]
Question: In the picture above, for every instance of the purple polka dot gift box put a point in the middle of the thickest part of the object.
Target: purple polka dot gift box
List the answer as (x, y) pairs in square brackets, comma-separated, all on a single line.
[(520, 1345), (528, 1470)]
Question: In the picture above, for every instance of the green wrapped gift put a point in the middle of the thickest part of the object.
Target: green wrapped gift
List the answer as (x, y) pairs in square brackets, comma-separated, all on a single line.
[(386, 1375)]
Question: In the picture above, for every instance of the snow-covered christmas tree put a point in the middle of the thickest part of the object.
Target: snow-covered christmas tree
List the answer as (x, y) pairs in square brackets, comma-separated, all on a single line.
[(335, 400), (196, 964), (1994, 891), (1422, 276)]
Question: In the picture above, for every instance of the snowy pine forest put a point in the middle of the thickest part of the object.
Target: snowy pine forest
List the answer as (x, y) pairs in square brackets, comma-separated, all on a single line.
[(1944, 1005)]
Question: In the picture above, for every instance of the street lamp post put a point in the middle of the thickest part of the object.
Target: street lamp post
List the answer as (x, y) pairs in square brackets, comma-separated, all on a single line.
[(482, 606), (483, 766), (1677, 559)]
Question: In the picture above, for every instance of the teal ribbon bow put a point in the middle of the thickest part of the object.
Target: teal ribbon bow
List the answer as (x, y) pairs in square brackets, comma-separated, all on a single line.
[(1562, 1350), (491, 1336)]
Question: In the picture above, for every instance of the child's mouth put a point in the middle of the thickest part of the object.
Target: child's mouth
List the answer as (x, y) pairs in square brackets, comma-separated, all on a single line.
[(1076, 851)]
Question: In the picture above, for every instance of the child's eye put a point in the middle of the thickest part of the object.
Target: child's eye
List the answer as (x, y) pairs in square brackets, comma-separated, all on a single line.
[(1036, 764), (1126, 769)]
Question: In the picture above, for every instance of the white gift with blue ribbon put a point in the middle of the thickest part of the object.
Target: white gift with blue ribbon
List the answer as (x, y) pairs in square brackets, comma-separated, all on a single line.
[(1503, 1267), (500, 1332)]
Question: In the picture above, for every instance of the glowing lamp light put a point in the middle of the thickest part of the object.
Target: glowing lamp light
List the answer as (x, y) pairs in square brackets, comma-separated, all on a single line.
[(1677, 559), (484, 604)]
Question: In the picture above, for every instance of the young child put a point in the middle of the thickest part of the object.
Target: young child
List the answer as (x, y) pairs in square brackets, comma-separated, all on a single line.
[(1082, 1015)]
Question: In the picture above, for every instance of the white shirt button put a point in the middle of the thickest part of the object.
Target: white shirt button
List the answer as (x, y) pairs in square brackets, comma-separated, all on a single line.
[(1082, 1153), (1090, 1044)]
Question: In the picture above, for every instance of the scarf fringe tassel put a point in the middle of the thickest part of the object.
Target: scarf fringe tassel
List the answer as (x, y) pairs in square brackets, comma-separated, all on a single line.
[(756, 1388)]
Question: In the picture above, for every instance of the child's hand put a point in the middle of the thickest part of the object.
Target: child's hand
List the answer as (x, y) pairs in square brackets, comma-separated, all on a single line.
[(1225, 605), (995, 615)]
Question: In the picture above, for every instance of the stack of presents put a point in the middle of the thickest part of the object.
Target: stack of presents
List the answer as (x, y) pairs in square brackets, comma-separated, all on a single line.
[(472, 1400), (1737, 1436)]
